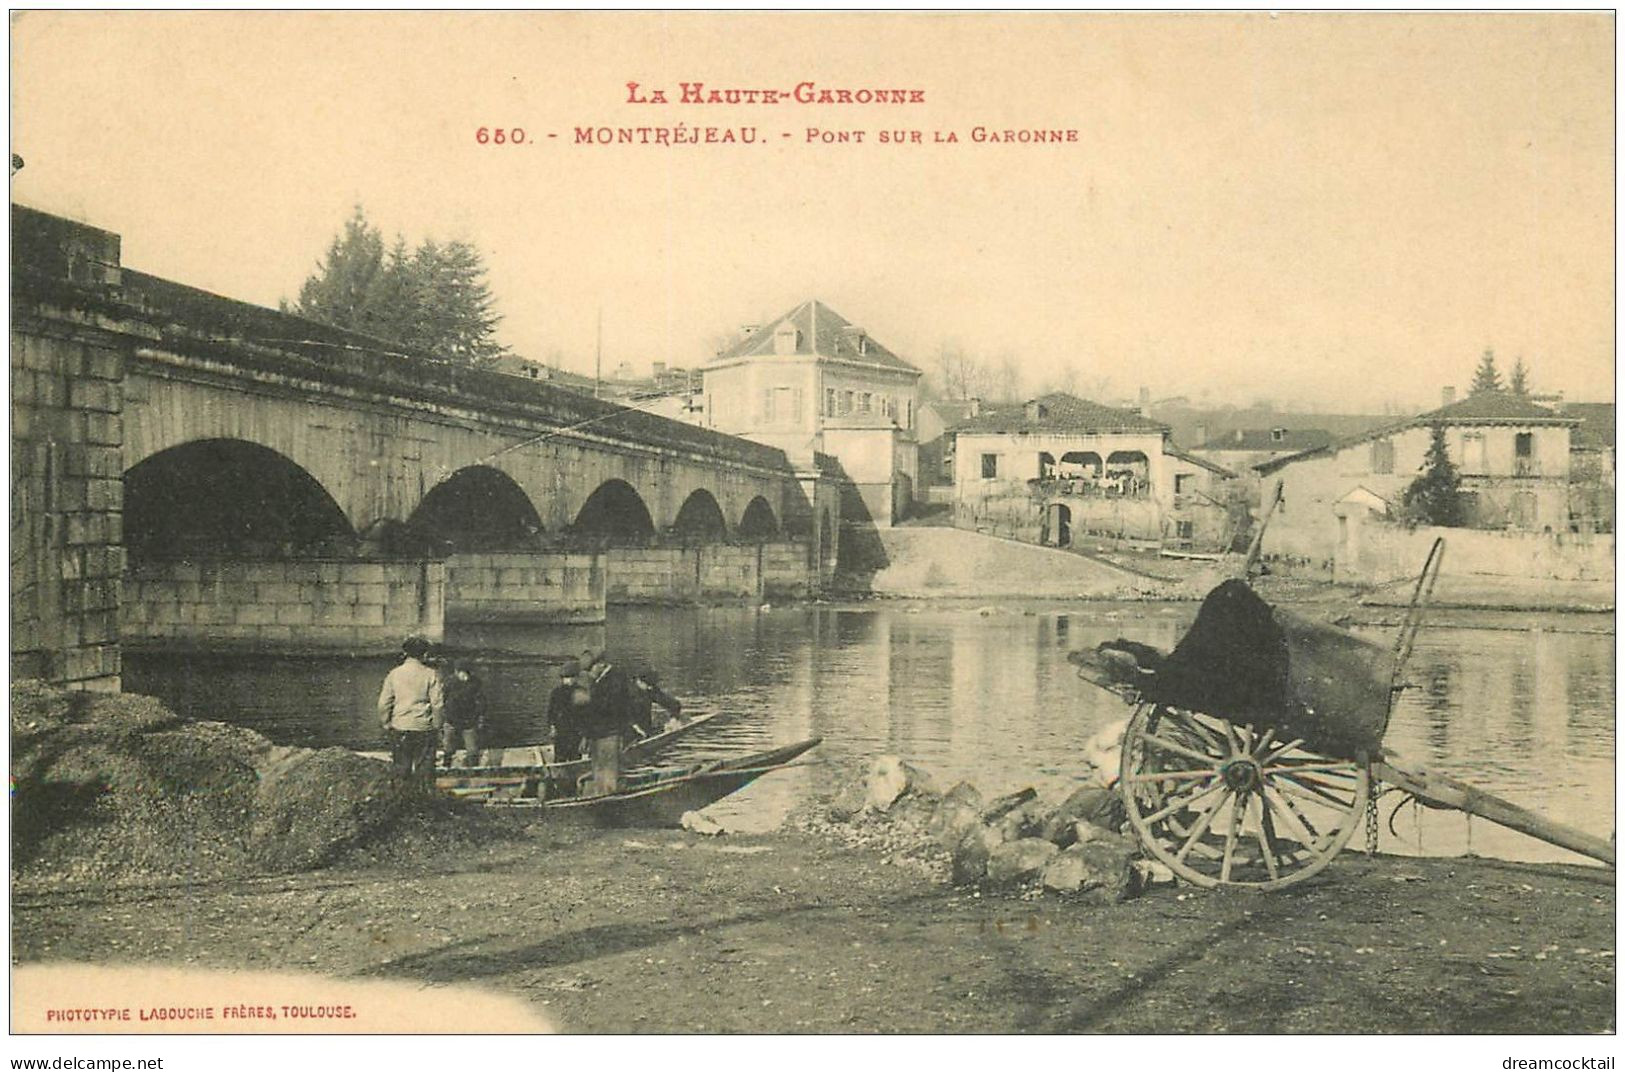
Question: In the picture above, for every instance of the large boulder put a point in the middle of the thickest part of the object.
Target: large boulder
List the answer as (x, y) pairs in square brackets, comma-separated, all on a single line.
[(999, 807), (964, 793), (1012, 861), (971, 854), (890, 778), (1022, 821), (1101, 867), (951, 820), (1092, 804), (885, 781)]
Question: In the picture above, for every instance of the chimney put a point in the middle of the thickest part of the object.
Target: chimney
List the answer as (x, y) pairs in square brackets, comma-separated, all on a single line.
[(1201, 435), (975, 406), (1239, 435), (1034, 410), (1447, 396)]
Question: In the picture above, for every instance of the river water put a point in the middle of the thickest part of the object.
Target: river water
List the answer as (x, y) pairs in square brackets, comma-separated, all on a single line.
[(1521, 707)]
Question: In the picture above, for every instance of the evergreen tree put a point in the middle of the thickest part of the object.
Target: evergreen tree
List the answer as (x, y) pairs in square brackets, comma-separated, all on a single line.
[(342, 290), (1518, 384), (434, 299), (1486, 377), (1434, 497)]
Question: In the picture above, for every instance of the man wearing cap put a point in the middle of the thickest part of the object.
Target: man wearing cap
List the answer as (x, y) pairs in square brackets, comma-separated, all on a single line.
[(646, 692), (411, 711), (565, 714), (608, 712), (464, 712)]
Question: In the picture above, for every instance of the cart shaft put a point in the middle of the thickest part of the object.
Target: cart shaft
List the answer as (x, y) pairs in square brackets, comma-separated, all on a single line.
[(1443, 791)]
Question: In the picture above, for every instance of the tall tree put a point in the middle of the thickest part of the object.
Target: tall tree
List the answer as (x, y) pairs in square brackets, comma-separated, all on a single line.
[(343, 289), (434, 299), (1434, 496), (1486, 377), (1518, 383)]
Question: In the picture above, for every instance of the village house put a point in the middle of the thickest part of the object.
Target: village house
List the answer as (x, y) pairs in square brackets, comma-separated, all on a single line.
[(1513, 456), (1057, 468), (816, 386), (1591, 467), (935, 434), (1243, 448)]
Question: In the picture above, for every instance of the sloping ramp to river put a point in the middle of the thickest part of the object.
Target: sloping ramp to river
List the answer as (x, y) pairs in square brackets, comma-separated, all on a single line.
[(944, 562)]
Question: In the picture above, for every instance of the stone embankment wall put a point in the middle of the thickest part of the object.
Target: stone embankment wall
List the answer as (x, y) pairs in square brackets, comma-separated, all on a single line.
[(720, 571), (1376, 552), (296, 606), (554, 588)]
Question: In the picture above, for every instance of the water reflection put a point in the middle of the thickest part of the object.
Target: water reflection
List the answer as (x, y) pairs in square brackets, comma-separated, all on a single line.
[(982, 696)]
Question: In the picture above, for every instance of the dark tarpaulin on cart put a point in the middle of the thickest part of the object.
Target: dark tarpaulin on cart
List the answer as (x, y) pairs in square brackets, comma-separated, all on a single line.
[(1254, 664)]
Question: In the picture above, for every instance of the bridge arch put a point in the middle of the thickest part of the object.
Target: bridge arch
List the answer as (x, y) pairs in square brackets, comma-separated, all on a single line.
[(229, 497), (477, 508), (614, 513), (700, 517), (758, 522)]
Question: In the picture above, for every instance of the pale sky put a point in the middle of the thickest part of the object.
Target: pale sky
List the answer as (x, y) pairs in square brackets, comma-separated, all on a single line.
[(1338, 211)]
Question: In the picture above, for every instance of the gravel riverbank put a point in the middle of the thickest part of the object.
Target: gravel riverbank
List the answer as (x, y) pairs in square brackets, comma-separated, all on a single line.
[(666, 931)]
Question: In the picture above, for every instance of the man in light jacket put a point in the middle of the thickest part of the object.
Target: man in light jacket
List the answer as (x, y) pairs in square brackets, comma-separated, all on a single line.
[(411, 710)]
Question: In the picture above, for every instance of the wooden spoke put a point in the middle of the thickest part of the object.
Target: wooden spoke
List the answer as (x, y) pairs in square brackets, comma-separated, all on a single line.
[(1265, 835), (1209, 737), (1181, 805), (1296, 742), (1263, 743), (1310, 792), (1171, 776), (1342, 783), (1230, 840), (1342, 769), (1199, 830), (1176, 749), (1296, 822)]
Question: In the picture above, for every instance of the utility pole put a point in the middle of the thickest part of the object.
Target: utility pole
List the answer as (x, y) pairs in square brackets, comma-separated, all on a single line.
[(598, 369)]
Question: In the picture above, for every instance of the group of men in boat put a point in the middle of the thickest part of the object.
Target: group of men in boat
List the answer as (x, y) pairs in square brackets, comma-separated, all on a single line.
[(597, 705), (431, 703)]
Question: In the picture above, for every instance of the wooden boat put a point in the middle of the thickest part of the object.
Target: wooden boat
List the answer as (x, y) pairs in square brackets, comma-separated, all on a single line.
[(657, 796), (530, 763)]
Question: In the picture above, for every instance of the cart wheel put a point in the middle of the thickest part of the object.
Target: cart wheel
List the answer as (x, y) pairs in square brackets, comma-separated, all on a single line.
[(1225, 805)]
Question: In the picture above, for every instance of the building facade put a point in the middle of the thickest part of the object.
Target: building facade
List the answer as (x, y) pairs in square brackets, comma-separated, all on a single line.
[(1059, 468), (1512, 454), (814, 385)]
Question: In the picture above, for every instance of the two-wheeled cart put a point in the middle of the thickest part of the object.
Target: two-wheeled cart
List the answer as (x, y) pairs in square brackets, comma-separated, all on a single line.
[(1254, 745)]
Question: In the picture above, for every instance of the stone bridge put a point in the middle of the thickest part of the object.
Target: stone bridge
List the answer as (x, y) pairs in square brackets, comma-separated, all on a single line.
[(187, 468)]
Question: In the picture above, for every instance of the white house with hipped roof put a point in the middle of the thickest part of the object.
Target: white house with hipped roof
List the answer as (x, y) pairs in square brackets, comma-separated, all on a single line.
[(1513, 456), (1059, 468), (818, 387)]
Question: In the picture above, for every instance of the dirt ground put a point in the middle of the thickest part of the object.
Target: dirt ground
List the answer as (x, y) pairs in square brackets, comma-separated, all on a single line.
[(666, 931)]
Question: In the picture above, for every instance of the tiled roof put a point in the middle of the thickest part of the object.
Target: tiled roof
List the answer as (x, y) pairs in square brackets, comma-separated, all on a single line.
[(1058, 412), (950, 410), (1494, 407), (822, 331), (1596, 431), (1489, 407), (1175, 452), (1256, 439)]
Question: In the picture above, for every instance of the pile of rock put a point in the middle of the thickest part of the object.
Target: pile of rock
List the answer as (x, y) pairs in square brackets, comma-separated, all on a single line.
[(109, 786), (1075, 846)]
